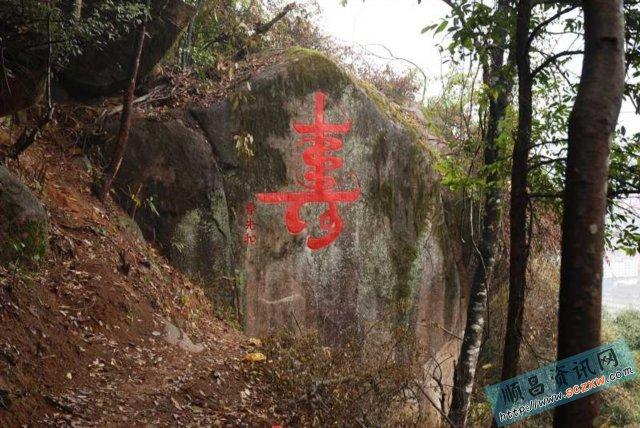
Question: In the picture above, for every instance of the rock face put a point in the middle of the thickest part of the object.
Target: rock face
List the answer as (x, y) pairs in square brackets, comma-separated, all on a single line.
[(105, 71), (23, 222), (390, 266), (171, 184)]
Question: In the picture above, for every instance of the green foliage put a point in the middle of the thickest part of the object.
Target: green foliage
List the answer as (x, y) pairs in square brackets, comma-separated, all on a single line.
[(219, 29), (556, 94), (632, 35), (223, 29), (451, 118), (28, 247), (448, 120), (627, 326), (623, 217), (148, 203), (621, 405), (473, 28), (27, 28)]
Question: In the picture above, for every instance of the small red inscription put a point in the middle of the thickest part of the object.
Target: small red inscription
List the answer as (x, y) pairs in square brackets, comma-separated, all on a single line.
[(319, 186), (250, 225), (249, 238)]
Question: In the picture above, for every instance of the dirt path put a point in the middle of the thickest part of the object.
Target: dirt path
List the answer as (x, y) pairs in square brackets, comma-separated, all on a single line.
[(106, 333), (153, 383)]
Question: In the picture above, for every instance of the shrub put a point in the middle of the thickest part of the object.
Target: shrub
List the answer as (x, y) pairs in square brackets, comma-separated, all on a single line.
[(627, 326)]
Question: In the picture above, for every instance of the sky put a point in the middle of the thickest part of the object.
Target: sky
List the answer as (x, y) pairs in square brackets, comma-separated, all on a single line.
[(397, 24)]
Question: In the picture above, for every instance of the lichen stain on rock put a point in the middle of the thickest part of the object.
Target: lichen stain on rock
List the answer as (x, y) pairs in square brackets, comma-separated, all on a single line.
[(263, 112), (185, 241)]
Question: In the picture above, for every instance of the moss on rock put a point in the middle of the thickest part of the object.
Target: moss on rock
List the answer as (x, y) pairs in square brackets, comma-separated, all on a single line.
[(262, 109), (23, 223)]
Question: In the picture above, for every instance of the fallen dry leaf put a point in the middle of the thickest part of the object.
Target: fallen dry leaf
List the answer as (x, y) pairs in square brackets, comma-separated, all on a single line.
[(255, 357)]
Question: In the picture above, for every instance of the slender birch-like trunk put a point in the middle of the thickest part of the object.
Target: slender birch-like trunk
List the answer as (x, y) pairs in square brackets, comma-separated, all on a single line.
[(497, 77)]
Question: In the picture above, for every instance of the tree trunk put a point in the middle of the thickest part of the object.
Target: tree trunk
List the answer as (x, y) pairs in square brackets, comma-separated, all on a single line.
[(519, 248), (125, 118), (497, 77), (186, 59), (77, 10), (591, 125)]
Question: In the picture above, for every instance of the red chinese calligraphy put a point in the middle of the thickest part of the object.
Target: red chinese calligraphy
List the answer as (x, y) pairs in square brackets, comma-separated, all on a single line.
[(250, 225), (249, 238), (319, 186)]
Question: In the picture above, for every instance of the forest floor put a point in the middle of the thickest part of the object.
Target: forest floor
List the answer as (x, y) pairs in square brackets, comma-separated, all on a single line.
[(106, 333)]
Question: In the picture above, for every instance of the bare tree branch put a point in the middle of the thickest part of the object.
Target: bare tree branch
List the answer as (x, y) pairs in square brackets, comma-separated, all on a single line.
[(408, 61), (552, 59), (536, 30), (125, 118), (263, 28)]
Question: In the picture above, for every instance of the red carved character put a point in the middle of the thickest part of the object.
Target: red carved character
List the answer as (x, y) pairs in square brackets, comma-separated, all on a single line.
[(319, 186)]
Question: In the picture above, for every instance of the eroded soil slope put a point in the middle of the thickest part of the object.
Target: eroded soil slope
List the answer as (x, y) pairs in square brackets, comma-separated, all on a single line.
[(106, 333)]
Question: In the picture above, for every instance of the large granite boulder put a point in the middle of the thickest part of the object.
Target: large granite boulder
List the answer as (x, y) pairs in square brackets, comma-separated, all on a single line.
[(376, 262), (170, 185), (392, 261), (106, 70), (23, 223)]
